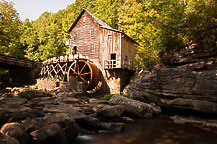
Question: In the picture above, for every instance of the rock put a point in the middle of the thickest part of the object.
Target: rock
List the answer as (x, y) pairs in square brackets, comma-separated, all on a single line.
[(127, 119), (102, 118), (8, 89), (52, 133), (125, 91), (88, 110), (157, 110), (4, 139), (12, 100), (116, 127), (57, 108), (66, 122), (197, 105), (69, 127), (32, 124), (16, 90), (65, 94), (22, 115), (194, 120), (5, 115), (85, 121), (69, 100), (185, 73), (12, 113), (41, 101), (30, 93), (110, 111), (97, 101), (16, 131), (133, 107)]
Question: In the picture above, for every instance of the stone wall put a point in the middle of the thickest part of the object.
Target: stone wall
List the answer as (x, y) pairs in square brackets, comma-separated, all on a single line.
[(115, 80), (74, 85), (185, 79)]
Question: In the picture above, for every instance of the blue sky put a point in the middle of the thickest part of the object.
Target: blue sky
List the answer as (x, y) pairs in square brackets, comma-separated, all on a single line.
[(32, 9)]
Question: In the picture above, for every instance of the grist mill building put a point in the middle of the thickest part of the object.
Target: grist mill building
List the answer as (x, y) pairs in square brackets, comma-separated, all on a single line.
[(109, 49)]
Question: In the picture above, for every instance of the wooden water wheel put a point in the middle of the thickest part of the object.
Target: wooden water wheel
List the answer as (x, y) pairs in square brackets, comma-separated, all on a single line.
[(87, 72)]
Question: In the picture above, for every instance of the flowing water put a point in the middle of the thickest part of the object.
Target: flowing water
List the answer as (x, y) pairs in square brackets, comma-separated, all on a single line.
[(158, 130)]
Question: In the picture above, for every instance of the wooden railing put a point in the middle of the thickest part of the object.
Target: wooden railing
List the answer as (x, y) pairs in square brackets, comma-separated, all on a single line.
[(9, 60), (115, 64)]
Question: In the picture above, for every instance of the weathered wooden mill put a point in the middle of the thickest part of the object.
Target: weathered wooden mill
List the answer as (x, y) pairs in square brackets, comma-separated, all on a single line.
[(102, 57)]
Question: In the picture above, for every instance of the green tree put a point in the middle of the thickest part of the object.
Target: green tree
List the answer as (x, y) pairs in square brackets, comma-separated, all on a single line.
[(9, 30)]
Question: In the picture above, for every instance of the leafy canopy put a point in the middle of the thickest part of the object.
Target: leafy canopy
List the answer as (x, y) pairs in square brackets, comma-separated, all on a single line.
[(155, 24)]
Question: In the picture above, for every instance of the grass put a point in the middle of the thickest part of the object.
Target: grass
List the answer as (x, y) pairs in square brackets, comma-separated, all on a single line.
[(108, 96)]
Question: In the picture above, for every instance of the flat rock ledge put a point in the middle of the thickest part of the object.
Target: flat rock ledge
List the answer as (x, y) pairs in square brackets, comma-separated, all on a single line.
[(185, 80), (29, 116)]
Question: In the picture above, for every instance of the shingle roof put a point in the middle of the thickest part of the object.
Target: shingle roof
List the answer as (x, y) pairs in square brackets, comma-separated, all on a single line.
[(102, 24)]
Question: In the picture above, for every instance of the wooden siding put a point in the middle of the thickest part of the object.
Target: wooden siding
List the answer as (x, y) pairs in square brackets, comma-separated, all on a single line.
[(128, 49), (118, 43), (110, 46), (84, 40)]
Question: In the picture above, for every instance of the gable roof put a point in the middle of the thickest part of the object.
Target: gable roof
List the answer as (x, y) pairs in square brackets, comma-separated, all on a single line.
[(101, 24)]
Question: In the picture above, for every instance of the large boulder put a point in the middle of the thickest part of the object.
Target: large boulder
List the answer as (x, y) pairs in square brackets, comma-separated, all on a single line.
[(11, 113), (85, 121), (197, 105), (133, 107), (65, 127), (4, 139), (52, 133), (16, 131), (186, 76), (110, 111)]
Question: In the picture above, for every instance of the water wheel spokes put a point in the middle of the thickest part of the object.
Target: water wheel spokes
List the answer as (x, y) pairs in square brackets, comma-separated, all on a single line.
[(86, 71)]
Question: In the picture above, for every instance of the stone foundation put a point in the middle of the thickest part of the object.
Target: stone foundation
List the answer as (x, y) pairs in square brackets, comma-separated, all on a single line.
[(47, 84), (74, 85), (114, 81)]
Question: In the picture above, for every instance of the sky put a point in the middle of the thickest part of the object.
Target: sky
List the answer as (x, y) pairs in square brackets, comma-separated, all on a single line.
[(32, 9)]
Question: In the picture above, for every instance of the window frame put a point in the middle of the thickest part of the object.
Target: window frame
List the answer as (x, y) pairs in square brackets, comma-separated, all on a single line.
[(92, 33), (75, 35), (110, 37), (92, 48)]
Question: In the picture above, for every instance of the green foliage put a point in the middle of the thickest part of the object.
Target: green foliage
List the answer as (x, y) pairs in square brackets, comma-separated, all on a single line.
[(160, 25), (108, 96), (9, 30), (155, 25)]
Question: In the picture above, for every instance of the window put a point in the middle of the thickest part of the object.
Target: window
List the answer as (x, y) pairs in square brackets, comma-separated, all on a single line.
[(109, 37), (75, 35), (74, 50), (84, 19), (92, 33), (92, 48)]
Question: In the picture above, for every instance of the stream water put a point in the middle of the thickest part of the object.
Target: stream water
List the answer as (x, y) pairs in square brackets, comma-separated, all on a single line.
[(158, 130)]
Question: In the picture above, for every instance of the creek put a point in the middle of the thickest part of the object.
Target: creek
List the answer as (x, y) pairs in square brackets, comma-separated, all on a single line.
[(156, 130)]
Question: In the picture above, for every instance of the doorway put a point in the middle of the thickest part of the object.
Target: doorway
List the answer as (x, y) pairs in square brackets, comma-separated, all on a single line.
[(113, 60)]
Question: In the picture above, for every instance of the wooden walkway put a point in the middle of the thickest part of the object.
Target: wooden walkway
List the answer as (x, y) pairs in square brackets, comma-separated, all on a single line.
[(9, 61)]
